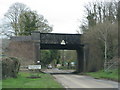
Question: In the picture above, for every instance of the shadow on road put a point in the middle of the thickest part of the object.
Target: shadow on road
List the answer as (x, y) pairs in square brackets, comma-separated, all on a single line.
[(62, 73)]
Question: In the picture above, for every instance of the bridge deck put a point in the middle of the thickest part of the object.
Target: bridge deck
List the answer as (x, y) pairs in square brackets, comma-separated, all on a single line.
[(53, 40), (58, 46)]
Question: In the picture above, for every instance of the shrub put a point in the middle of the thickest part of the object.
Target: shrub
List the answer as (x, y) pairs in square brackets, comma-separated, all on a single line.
[(10, 67)]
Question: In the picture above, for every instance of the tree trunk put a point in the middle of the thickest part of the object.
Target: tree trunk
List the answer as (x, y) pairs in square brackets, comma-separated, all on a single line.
[(105, 55)]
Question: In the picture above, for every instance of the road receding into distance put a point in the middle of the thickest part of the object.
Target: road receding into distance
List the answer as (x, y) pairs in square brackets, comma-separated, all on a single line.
[(69, 80)]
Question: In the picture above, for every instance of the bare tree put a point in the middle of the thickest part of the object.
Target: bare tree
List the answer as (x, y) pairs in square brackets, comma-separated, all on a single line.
[(99, 12), (13, 14), (104, 33), (103, 42)]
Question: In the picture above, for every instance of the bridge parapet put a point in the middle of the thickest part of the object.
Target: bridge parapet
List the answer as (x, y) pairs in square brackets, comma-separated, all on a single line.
[(56, 38)]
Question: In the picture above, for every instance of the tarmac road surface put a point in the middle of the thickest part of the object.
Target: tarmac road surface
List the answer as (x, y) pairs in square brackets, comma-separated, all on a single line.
[(80, 81), (69, 80)]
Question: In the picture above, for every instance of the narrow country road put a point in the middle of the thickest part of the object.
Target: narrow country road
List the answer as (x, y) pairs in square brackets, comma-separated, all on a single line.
[(80, 81)]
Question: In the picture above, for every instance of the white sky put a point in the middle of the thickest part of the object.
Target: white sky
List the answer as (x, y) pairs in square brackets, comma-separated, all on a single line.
[(64, 15)]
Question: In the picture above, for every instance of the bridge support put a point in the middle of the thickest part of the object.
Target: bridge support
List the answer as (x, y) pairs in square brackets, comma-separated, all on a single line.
[(82, 59), (37, 52)]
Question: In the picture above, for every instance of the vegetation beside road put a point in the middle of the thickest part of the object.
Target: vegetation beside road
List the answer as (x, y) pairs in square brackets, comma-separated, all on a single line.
[(67, 67), (111, 75), (45, 81)]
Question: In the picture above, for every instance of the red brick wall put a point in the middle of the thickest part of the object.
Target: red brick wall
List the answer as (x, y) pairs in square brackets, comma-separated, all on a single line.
[(25, 50)]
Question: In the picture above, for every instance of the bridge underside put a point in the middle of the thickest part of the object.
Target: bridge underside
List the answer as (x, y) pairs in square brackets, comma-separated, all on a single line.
[(79, 49), (61, 47)]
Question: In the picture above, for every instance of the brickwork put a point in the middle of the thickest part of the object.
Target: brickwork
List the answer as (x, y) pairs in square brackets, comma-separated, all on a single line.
[(25, 50)]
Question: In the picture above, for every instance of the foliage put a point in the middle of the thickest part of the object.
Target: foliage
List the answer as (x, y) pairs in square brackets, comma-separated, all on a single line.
[(100, 33), (10, 67), (56, 56), (67, 56), (45, 57), (22, 20), (23, 82), (49, 56), (29, 21), (70, 55)]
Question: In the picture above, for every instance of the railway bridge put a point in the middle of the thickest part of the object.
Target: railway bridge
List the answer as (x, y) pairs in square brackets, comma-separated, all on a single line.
[(43, 41), (60, 41)]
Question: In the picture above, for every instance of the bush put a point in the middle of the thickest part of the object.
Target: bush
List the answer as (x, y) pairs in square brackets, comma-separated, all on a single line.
[(10, 67)]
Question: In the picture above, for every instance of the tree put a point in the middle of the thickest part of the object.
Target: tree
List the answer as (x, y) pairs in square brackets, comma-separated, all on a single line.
[(29, 21), (101, 36), (103, 43), (50, 56), (13, 14), (107, 33), (69, 55), (23, 20), (55, 56), (99, 12), (45, 57)]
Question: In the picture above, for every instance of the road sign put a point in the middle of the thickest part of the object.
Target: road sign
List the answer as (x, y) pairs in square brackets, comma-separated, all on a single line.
[(34, 66)]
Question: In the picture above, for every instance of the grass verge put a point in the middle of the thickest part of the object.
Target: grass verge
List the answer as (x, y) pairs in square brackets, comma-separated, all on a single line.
[(111, 75), (45, 81)]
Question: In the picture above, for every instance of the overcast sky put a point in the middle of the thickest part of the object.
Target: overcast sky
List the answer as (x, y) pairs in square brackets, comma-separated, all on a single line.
[(64, 15)]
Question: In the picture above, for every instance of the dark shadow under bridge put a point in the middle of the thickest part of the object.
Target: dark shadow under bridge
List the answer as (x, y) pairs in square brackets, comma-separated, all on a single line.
[(61, 41)]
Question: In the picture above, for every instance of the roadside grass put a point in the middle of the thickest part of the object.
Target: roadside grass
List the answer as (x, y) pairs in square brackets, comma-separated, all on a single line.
[(45, 81), (111, 75), (0, 84)]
